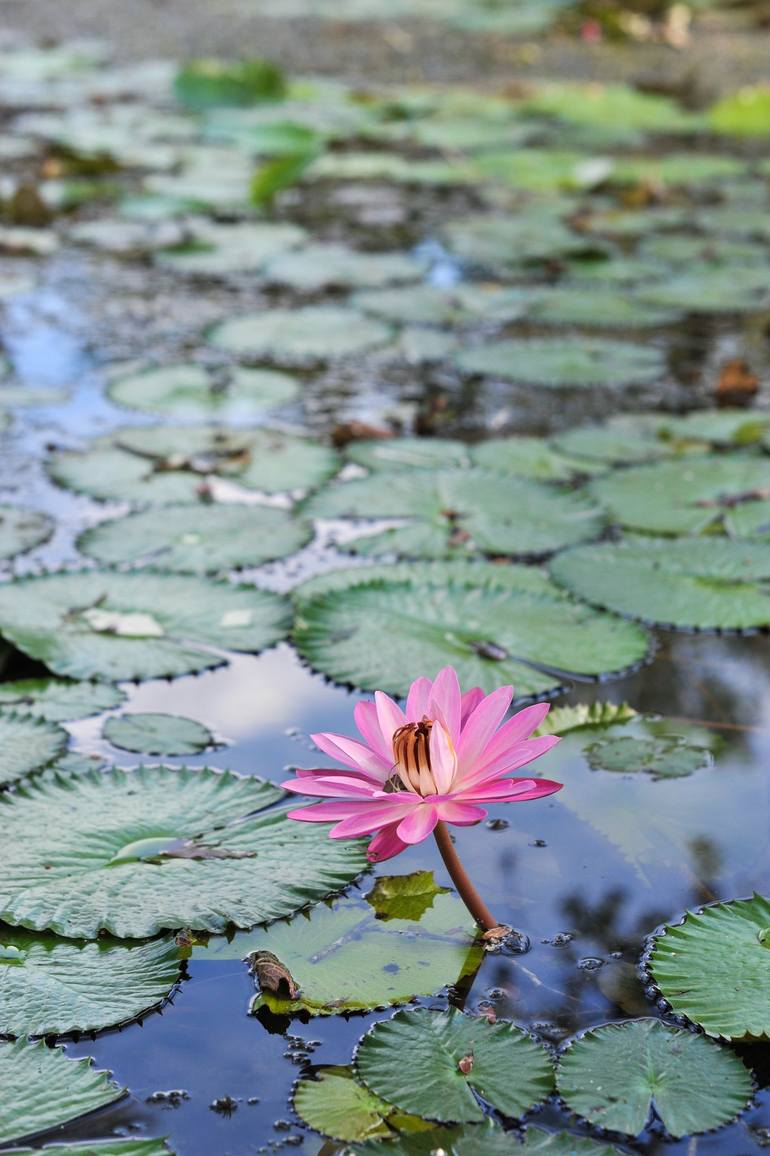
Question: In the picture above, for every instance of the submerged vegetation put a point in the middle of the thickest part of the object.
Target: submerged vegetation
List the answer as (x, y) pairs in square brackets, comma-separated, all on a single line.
[(310, 389)]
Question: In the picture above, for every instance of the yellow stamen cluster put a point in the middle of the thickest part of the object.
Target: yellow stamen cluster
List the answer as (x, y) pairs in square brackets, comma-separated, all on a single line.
[(411, 754)]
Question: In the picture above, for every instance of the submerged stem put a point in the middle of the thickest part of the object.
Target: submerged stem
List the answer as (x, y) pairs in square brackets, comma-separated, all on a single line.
[(459, 877)]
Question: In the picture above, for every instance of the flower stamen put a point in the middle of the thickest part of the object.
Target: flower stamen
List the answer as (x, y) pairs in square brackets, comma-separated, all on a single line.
[(411, 752)]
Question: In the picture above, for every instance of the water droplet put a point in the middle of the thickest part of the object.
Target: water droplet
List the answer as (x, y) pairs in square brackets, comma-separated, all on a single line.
[(538, 843), (496, 824), (590, 963)]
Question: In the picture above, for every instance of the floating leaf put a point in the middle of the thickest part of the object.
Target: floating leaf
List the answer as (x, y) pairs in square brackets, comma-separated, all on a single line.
[(684, 497), (101, 624), (162, 465), (335, 1104), (509, 1070), (280, 173), (714, 968), (345, 959), (49, 986), (705, 583), (119, 863), (598, 308), (413, 452), (315, 333), (625, 439), (565, 363), (221, 250), (564, 719), (100, 1148), (507, 242), (43, 1089), (528, 457), (664, 758), (28, 744), (22, 529), (487, 1139), (58, 699), (325, 265), (157, 734), (383, 634), (229, 393), (745, 112), (616, 1076), (457, 511), (209, 82), (197, 539), (708, 288), (404, 896)]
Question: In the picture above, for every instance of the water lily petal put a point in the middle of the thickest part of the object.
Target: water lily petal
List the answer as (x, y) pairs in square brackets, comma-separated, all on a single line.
[(468, 703), (516, 730), (335, 786), (418, 824), (511, 760), (511, 791), (461, 814), (443, 760), (365, 714), (480, 727), (385, 845), (445, 701), (353, 754), (330, 812), (371, 818), (390, 717), (418, 699)]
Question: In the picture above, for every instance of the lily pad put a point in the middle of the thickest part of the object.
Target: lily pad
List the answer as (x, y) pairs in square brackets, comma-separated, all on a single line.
[(209, 82), (58, 699), (322, 266), (28, 744), (713, 289), (563, 719), (100, 1148), (453, 512), (227, 393), (157, 734), (404, 896), (487, 1139), (626, 439), (689, 496), (155, 848), (168, 464), (43, 1089), (335, 1104), (529, 457), (197, 539), (413, 452), (701, 583), (670, 757), (618, 1075), (504, 1065), (346, 959), (382, 634), (223, 250), (315, 333), (714, 968), (565, 363), (49, 986), (598, 308), (430, 305), (101, 624), (505, 243), (22, 529)]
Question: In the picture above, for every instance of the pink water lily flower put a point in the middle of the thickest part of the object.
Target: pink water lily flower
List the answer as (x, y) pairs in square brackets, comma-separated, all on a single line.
[(435, 762)]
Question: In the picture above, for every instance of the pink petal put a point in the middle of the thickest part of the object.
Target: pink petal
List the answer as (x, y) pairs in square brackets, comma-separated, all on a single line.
[(390, 717), (329, 812), (518, 756), (418, 699), (510, 791), (518, 728), (418, 824), (370, 818), (461, 814), (340, 786), (445, 701), (353, 754), (385, 845), (480, 727), (443, 761), (469, 701), (365, 714)]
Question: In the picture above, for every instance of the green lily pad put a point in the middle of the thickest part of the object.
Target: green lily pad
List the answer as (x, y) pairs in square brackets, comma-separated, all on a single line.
[(223, 250), (315, 333), (565, 362), (712, 289), (100, 1148), (335, 1104), (197, 539), (505, 243), (453, 512), (101, 624), (563, 719), (689, 496), (322, 266), (154, 848), (638, 438), (404, 896), (507, 1068), (49, 986), (720, 427), (28, 744), (162, 465), (31, 395), (616, 1076), (384, 633), (714, 968), (487, 1139), (626, 110), (701, 583), (346, 959), (429, 305), (58, 699), (228, 394), (209, 82), (528, 457), (669, 757), (598, 308), (413, 452), (745, 112), (43, 1089), (157, 734), (22, 529)]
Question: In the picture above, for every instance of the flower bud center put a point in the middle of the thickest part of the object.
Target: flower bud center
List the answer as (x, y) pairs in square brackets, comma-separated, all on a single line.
[(411, 754)]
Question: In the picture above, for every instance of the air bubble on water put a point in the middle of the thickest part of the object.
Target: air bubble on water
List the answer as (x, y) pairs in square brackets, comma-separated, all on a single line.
[(590, 963)]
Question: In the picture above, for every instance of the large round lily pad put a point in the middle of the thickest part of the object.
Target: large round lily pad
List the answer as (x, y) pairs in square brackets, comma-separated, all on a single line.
[(197, 539), (325, 265), (598, 308), (453, 512), (101, 1148), (687, 496), (28, 744), (384, 633), (334, 1103), (58, 699), (315, 333), (43, 1089), (412, 452), (49, 986), (102, 624), (155, 848), (483, 1139), (227, 393), (708, 288), (157, 734), (221, 250), (22, 529), (503, 1065), (565, 362), (706, 583), (617, 1075), (464, 304), (163, 465), (714, 968)]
